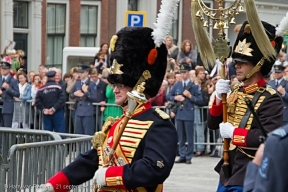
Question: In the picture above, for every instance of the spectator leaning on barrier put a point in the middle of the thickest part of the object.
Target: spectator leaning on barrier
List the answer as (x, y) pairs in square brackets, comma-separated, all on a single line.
[(9, 90), (51, 101), (21, 111), (85, 94)]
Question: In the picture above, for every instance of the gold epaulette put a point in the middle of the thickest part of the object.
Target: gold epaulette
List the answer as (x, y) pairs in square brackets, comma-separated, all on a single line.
[(161, 114), (270, 90), (99, 137)]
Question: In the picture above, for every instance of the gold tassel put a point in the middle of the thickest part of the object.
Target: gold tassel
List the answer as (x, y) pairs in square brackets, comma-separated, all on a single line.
[(258, 31), (204, 45)]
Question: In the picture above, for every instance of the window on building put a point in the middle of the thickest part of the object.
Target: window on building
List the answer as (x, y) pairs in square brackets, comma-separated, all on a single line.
[(175, 27), (88, 25), (56, 24), (20, 14), (132, 5)]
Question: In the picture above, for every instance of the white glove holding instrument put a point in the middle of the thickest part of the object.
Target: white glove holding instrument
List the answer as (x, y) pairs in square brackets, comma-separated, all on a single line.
[(99, 177), (222, 86), (226, 130)]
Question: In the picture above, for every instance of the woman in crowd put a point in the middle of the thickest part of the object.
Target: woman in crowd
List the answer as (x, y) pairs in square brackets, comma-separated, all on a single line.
[(104, 48), (36, 84), (173, 51), (187, 55), (113, 111), (67, 77), (100, 62), (21, 110)]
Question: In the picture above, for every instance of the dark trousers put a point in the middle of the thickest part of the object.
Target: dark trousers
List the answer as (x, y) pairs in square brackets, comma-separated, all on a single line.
[(55, 122), (84, 125), (7, 120), (98, 122), (185, 131)]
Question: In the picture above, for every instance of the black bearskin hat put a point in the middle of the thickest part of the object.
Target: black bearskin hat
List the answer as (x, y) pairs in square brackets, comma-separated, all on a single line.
[(130, 54), (246, 50)]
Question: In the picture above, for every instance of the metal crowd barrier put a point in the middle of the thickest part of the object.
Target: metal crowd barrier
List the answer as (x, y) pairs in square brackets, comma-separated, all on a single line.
[(9, 137), (34, 119), (31, 164)]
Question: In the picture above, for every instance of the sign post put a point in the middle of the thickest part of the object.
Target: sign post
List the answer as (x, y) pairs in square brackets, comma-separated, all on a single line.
[(135, 18)]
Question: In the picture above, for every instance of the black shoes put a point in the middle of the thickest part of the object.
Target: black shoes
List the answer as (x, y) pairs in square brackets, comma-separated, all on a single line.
[(183, 161), (180, 160), (188, 162)]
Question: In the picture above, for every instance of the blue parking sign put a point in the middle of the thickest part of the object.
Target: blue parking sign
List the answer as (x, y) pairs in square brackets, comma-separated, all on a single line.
[(135, 19)]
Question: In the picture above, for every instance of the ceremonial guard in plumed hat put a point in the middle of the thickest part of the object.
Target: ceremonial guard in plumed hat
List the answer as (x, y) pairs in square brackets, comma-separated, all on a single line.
[(254, 52), (133, 152), (268, 170)]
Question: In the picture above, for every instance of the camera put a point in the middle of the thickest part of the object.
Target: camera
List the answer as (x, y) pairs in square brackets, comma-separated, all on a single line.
[(170, 105)]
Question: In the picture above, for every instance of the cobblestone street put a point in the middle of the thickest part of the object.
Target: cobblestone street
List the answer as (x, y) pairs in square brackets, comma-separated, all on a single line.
[(197, 177)]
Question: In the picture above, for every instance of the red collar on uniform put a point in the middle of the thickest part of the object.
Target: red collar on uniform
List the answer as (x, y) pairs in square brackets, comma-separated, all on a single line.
[(255, 86), (142, 108)]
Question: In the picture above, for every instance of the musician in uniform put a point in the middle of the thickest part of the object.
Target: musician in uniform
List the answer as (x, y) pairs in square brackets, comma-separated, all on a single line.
[(242, 128), (143, 154), (50, 100)]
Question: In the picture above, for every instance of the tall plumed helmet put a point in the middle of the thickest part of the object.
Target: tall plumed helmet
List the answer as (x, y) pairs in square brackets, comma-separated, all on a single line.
[(139, 53), (246, 48), (129, 59)]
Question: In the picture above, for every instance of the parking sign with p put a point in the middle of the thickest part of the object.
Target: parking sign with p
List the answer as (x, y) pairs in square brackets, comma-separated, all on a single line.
[(135, 19)]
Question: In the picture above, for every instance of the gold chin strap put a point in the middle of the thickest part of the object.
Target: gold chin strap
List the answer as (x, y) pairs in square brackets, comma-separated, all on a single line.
[(256, 68)]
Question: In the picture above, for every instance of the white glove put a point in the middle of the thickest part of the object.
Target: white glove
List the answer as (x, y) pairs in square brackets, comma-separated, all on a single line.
[(99, 177), (45, 188), (226, 130), (222, 86)]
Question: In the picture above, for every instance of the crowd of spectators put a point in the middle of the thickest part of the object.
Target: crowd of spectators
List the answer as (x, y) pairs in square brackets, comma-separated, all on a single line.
[(26, 114)]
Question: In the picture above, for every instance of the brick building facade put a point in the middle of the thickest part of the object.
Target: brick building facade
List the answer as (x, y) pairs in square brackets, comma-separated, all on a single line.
[(44, 27)]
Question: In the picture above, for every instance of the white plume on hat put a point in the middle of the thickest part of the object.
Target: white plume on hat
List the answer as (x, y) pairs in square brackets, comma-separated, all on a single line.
[(164, 21), (283, 26)]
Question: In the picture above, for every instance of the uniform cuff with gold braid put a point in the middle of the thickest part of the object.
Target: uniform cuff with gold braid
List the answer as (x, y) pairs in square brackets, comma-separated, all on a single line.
[(60, 182), (114, 177), (239, 137), (216, 110)]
